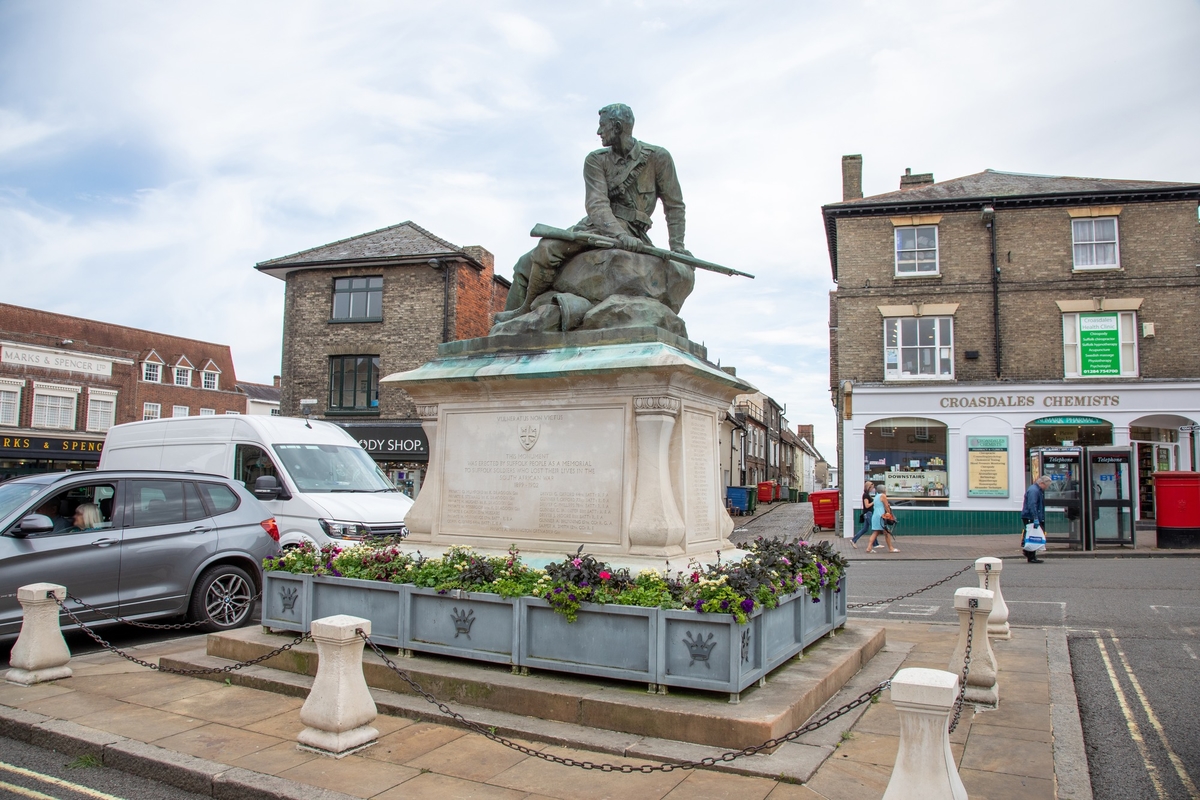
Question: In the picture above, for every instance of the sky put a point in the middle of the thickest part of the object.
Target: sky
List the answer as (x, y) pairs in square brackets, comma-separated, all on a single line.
[(151, 153)]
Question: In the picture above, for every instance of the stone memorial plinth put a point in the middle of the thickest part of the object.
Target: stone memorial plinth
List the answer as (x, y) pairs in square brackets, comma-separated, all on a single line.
[(606, 439)]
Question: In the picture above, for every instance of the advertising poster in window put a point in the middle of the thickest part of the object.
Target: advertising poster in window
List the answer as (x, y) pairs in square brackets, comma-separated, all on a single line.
[(1099, 345), (987, 466)]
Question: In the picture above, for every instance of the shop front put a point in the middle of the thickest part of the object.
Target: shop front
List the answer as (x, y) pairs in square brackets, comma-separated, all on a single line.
[(399, 448), (956, 459), (22, 454)]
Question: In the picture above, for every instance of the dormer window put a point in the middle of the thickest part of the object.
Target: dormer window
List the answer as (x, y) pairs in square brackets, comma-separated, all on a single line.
[(209, 380), (151, 372), (183, 376)]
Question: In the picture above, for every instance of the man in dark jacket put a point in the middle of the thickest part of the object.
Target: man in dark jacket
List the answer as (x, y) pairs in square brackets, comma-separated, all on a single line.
[(1034, 510)]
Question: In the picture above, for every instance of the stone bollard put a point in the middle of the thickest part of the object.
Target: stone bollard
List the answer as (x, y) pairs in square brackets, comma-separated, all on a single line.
[(988, 569), (339, 707), (925, 768), (973, 607), (40, 653)]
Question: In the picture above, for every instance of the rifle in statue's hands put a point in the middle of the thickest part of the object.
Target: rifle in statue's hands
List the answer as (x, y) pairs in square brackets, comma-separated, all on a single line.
[(608, 243)]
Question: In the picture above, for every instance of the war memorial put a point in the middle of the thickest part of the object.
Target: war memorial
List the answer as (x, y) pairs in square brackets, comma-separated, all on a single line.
[(574, 474)]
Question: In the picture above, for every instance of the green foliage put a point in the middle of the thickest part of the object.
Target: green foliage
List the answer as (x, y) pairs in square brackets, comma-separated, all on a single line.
[(87, 761)]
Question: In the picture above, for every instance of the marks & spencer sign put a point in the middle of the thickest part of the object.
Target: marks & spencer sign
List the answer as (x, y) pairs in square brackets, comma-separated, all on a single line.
[(55, 359), (50, 447)]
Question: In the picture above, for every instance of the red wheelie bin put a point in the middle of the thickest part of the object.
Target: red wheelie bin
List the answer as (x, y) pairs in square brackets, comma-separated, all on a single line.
[(825, 507)]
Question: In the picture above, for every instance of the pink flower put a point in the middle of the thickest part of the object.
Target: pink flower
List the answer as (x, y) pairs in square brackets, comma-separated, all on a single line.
[(577, 562), (785, 560), (605, 575), (695, 577)]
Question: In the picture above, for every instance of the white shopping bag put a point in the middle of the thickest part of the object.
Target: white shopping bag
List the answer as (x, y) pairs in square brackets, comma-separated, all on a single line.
[(1035, 538)]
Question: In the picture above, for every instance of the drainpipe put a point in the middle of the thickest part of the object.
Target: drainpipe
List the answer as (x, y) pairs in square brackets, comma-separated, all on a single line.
[(445, 270), (989, 219)]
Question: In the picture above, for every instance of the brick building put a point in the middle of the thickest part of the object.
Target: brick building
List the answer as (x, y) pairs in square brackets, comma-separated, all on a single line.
[(369, 306), (64, 381), (981, 317)]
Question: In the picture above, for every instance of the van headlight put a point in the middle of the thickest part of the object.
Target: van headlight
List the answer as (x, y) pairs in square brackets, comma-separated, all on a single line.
[(337, 529)]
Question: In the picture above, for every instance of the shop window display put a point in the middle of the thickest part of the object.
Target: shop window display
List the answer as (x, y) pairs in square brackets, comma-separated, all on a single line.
[(908, 456)]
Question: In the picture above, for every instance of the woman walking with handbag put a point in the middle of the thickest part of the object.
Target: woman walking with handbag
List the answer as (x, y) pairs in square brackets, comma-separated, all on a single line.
[(868, 503), (881, 521)]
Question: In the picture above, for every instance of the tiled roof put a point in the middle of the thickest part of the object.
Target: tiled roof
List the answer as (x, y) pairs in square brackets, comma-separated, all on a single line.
[(406, 240), (991, 183), (260, 391)]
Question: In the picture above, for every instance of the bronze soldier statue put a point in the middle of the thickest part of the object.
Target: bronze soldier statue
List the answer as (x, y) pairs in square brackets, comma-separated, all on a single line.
[(623, 182)]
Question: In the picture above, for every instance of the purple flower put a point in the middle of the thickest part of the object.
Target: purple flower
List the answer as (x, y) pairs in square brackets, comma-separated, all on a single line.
[(699, 605), (577, 561), (724, 605), (558, 590), (583, 584), (821, 569), (571, 597), (816, 599), (785, 560), (747, 605)]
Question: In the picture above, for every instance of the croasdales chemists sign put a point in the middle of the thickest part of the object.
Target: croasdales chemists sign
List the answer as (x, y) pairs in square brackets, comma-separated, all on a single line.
[(1099, 345)]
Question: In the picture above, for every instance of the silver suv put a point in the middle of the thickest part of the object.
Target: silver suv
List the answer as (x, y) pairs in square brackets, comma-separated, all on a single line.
[(135, 544)]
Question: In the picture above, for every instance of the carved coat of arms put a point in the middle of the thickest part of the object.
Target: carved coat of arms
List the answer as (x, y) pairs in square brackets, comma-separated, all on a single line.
[(529, 435)]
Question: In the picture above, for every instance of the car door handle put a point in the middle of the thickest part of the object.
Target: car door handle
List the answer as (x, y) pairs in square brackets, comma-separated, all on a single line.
[(104, 542), (201, 529)]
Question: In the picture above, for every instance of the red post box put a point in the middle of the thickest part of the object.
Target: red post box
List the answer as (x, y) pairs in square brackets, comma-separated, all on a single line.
[(1177, 509)]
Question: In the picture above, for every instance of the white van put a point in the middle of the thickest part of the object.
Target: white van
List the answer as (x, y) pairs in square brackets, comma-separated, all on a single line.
[(317, 481)]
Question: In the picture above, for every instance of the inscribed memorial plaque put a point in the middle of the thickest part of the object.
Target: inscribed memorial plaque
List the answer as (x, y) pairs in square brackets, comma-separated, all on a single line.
[(701, 498), (987, 466), (553, 475)]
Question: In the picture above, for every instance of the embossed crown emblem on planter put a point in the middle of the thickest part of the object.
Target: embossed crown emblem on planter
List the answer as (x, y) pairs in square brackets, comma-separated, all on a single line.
[(463, 620), (288, 596), (699, 648), (529, 435), (746, 645)]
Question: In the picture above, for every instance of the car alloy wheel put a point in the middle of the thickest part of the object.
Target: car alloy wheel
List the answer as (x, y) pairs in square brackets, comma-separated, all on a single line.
[(224, 598)]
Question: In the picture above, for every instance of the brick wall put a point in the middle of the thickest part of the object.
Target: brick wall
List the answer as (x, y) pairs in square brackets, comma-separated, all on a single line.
[(474, 300), (1159, 252)]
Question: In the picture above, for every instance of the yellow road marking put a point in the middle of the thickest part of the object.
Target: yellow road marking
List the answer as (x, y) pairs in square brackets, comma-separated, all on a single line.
[(1135, 732), (21, 790), (1176, 762), (59, 782)]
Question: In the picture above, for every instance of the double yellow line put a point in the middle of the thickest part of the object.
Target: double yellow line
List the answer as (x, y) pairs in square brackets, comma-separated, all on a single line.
[(1135, 731), (58, 783)]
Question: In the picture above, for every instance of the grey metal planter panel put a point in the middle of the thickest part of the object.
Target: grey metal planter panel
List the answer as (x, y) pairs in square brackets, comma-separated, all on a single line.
[(839, 604), (287, 601), (783, 630), (818, 618), (709, 651), (605, 640), (473, 625), (374, 600)]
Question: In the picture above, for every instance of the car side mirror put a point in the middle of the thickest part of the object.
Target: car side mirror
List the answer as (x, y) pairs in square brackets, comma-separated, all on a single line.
[(33, 523), (266, 487)]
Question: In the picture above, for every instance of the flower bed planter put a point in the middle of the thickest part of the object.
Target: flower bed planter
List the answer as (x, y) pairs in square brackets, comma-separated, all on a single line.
[(608, 641), (672, 647)]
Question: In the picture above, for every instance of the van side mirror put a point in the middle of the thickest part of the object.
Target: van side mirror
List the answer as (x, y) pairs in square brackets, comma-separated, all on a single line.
[(33, 523), (266, 487)]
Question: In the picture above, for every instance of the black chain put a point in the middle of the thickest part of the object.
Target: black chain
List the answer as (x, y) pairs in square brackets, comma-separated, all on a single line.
[(626, 769), (150, 665), (962, 690), (911, 594), (176, 626)]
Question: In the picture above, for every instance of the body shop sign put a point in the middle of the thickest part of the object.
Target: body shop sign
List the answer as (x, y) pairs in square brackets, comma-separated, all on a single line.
[(1099, 345), (987, 466)]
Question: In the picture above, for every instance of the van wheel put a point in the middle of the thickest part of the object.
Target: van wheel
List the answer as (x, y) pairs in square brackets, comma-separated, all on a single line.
[(223, 599)]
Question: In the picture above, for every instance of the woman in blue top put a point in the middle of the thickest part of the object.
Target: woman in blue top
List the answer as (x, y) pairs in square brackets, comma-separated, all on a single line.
[(882, 506)]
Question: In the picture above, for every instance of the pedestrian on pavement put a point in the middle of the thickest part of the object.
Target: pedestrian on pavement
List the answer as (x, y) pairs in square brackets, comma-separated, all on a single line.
[(868, 502), (878, 525), (1033, 512)]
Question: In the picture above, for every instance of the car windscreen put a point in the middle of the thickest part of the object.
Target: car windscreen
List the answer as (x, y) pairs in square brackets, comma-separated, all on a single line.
[(14, 493), (332, 468)]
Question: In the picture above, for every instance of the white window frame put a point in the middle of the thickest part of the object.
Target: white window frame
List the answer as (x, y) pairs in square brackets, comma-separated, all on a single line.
[(151, 411), (205, 375), (10, 386), (1076, 243), (94, 422), (233, 413), (59, 392), (1126, 338), (147, 366), (897, 358), (937, 255), (183, 376), (208, 412), (175, 411)]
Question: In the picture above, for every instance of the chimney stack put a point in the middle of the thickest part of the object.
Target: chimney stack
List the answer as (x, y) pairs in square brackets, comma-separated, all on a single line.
[(910, 181), (805, 432), (275, 380), (851, 178)]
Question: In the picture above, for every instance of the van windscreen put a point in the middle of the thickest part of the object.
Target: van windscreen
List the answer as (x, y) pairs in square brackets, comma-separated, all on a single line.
[(332, 468)]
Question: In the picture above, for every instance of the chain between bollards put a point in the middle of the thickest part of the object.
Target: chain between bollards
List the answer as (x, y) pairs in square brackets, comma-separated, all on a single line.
[(962, 690), (151, 665), (731, 755), (911, 594)]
